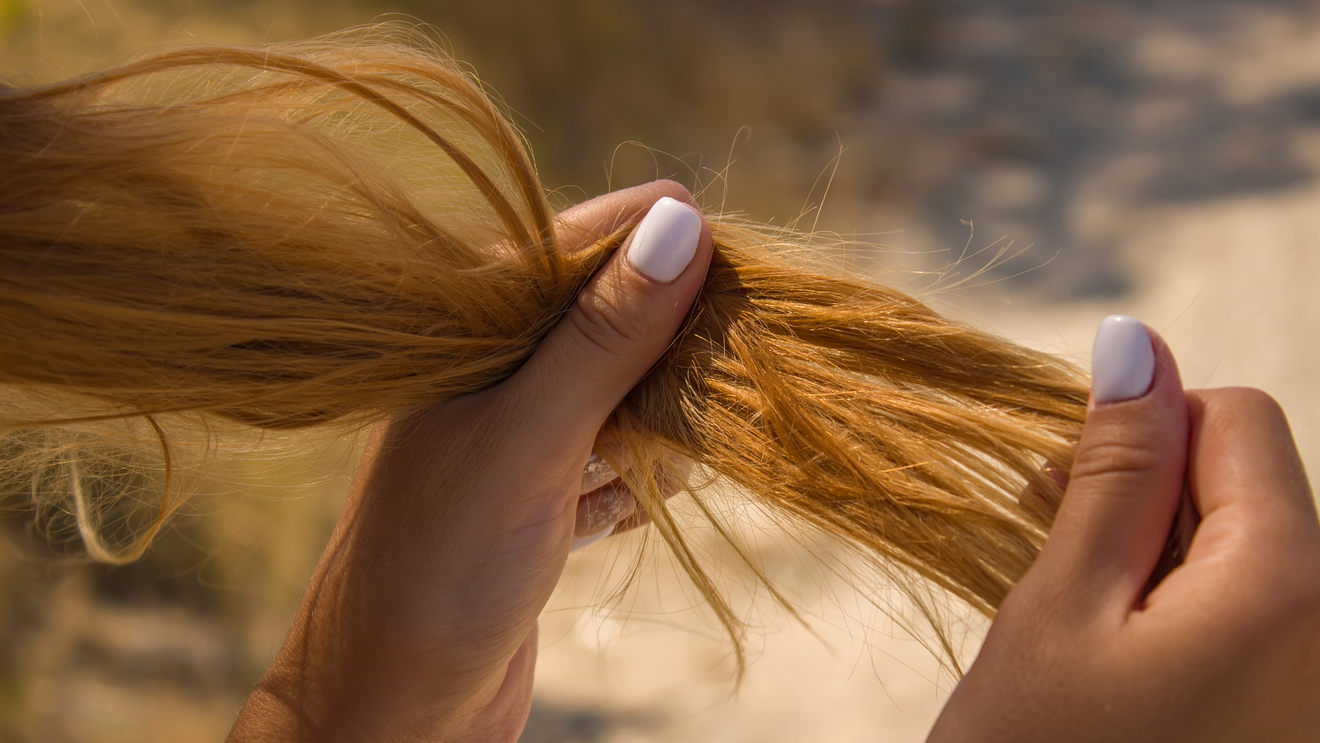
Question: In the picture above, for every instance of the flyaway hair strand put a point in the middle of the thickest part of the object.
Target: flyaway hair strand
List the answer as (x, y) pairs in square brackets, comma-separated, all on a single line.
[(220, 239)]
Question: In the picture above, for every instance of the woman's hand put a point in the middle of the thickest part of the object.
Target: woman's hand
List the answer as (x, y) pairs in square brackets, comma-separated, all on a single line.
[(420, 622), (1227, 647)]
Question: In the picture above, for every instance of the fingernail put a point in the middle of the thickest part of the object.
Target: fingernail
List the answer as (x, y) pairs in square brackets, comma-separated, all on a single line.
[(581, 543), (665, 241), (596, 474), (1123, 361), (603, 509)]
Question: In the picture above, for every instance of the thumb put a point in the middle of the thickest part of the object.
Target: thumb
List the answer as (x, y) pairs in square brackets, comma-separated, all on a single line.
[(1127, 479), (620, 324)]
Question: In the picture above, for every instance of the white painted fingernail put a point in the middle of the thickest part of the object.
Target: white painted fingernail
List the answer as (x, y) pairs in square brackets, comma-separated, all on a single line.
[(581, 543), (596, 474), (1123, 361), (665, 241)]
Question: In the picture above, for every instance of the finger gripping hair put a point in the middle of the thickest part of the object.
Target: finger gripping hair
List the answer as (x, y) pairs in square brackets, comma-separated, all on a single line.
[(216, 239)]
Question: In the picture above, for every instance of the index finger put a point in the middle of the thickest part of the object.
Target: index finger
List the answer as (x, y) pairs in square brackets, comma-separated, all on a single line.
[(1243, 456), (1259, 528)]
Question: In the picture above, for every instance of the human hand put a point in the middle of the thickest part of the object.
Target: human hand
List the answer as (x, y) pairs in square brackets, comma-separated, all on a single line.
[(420, 621), (1227, 647)]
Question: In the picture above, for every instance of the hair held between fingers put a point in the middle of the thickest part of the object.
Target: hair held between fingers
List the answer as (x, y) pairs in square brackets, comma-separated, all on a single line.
[(217, 240)]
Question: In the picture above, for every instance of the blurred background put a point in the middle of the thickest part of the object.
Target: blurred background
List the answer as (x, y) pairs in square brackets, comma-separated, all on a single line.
[(1159, 158)]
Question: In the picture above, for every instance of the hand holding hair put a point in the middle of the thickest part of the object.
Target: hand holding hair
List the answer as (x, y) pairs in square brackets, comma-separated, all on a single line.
[(420, 622), (1227, 646), (215, 242)]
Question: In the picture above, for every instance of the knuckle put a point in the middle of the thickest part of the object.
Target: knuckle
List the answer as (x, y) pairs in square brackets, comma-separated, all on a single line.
[(601, 323), (1246, 412), (1258, 401), (1115, 457)]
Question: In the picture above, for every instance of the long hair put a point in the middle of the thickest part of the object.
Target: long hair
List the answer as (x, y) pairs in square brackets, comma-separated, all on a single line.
[(218, 239)]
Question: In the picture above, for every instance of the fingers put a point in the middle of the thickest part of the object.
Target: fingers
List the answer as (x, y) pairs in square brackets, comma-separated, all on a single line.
[(1243, 458), (608, 506), (1128, 475), (1259, 537), (624, 319)]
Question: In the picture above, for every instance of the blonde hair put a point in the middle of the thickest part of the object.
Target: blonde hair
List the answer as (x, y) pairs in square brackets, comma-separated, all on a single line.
[(215, 239)]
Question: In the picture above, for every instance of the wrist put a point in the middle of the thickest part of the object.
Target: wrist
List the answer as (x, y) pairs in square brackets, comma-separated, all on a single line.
[(293, 702)]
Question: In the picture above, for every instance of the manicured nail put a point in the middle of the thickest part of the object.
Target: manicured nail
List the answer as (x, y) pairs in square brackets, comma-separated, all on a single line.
[(581, 543), (596, 474), (603, 509), (665, 241), (1123, 361)]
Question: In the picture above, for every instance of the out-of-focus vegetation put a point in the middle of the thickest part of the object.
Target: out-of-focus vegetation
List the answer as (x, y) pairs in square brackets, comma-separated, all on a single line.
[(1059, 124), (694, 81)]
